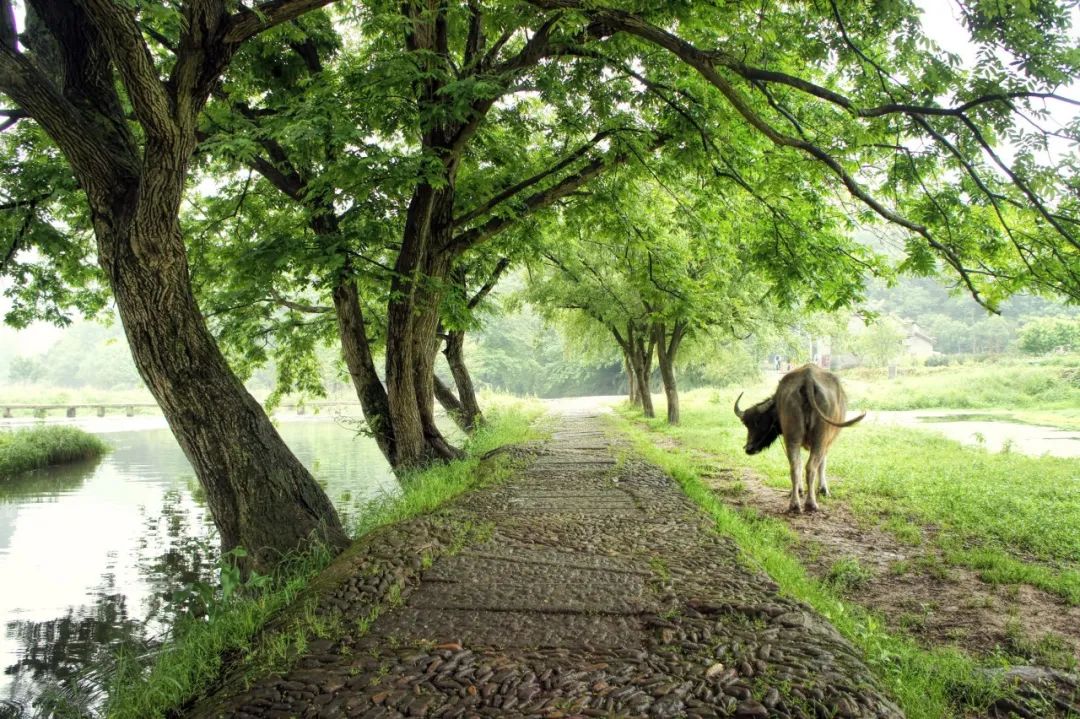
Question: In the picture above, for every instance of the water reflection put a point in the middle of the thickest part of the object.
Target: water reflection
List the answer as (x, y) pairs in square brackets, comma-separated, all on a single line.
[(91, 555)]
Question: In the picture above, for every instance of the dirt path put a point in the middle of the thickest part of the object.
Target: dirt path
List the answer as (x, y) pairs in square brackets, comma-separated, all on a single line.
[(585, 586)]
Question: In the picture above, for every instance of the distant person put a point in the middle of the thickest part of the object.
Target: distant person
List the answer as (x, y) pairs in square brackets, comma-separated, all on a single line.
[(789, 364), (778, 363)]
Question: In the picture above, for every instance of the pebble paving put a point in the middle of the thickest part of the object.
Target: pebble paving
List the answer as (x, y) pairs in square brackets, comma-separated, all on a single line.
[(588, 585)]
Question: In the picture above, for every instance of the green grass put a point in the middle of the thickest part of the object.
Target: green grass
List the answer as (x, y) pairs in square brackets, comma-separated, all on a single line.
[(928, 684), (1045, 384), (1011, 517), (846, 576), (193, 658), (28, 449)]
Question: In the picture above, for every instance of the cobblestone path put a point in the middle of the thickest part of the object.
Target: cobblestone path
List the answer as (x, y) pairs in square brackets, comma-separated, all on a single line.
[(587, 585)]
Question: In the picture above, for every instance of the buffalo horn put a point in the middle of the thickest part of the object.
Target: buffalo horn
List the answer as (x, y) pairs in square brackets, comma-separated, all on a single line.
[(738, 412)]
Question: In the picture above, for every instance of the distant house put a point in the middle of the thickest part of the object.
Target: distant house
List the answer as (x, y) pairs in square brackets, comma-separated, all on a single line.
[(917, 343)]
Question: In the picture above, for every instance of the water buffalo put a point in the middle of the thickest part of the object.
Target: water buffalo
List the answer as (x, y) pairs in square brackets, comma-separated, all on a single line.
[(808, 410)]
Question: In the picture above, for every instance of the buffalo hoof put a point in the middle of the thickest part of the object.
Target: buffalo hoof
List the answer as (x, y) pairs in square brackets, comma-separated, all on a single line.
[(811, 507), (824, 491), (794, 509)]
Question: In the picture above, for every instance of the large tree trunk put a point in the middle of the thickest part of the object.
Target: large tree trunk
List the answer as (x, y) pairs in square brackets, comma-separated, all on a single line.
[(361, 365), (641, 363), (634, 396), (449, 402), (411, 340), (471, 417), (260, 496), (666, 352)]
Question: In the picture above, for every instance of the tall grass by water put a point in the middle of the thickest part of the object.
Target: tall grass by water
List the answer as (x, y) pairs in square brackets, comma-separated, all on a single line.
[(192, 658), (24, 450)]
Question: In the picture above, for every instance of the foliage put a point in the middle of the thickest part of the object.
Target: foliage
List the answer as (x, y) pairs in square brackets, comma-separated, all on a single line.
[(1050, 334), (87, 354), (516, 352), (1012, 385), (23, 450), (25, 370), (881, 342)]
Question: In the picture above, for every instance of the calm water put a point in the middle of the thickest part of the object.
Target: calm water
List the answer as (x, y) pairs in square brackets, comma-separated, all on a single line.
[(90, 553)]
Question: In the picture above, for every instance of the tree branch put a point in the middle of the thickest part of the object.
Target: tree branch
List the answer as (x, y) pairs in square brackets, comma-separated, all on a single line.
[(251, 21), (124, 41), (512, 190), (493, 280), (9, 33), (279, 299), (545, 198)]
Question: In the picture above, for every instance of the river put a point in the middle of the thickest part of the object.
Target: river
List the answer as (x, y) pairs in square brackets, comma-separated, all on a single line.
[(91, 553)]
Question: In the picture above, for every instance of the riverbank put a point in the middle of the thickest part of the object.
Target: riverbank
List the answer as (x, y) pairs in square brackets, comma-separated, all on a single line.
[(263, 627), (28, 449)]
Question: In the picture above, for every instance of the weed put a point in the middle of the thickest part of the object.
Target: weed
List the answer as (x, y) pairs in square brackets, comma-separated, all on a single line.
[(1049, 650), (660, 568), (847, 575), (905, 531)]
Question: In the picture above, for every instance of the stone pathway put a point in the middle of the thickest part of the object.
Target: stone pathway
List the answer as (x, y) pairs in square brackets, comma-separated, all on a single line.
[(585, 586)]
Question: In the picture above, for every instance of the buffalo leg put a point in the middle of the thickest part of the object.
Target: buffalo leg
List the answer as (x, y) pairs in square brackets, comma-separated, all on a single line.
[(813, 473), (822, 484), (795, 461)]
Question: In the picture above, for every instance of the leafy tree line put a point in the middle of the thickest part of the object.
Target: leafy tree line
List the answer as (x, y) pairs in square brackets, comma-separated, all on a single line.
[(375, 169)]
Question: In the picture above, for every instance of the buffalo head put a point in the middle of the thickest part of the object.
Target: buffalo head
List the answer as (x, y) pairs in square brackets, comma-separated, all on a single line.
[(762, 423)]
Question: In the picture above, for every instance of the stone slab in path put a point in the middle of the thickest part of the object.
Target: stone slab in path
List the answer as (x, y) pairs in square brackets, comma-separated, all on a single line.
[(590, 585)]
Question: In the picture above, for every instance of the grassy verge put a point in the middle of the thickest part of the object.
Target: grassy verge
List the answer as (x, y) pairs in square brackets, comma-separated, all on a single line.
[(37, 447), (1010, 517), (193, 657), (927, 683)]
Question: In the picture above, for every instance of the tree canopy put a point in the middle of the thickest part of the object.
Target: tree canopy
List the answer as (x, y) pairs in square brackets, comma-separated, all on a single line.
[(360, 170)]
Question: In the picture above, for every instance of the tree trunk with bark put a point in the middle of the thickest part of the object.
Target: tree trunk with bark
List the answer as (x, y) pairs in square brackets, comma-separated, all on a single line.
[(638, 347), (471, 416), (634, 396), (361, 365), (260, 496), (449, 401), (667, 348), (642, 370), (412, 324)]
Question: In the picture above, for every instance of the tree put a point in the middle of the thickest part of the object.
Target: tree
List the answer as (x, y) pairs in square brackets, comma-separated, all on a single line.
[(657, 266), (423, 132), (25, 369), (400, 230), (881, 342), (123, 112), (1044, 335)]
